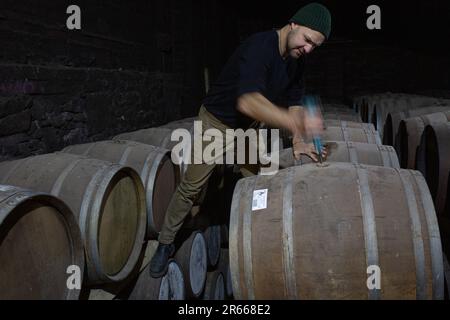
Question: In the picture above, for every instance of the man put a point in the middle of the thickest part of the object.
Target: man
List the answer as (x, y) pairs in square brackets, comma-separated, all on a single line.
[(265, 71)]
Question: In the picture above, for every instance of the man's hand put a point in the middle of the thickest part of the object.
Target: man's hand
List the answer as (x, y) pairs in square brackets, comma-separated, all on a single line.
[(309, 149), (305, 124)]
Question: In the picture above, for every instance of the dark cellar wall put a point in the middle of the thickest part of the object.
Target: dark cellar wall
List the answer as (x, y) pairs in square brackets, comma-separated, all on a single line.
[(137, 64), (133, 64)]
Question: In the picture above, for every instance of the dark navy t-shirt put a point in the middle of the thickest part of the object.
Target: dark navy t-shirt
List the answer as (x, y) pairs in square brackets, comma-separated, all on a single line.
[(255, 66)]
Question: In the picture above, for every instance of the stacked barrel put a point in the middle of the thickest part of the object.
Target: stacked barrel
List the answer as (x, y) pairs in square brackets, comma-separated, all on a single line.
[(418, 128), (311, 231), (105, 200), (199, 268), (211, 217), (82, 223)]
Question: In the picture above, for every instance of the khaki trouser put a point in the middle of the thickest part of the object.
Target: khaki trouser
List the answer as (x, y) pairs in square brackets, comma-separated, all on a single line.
[(195, 179)]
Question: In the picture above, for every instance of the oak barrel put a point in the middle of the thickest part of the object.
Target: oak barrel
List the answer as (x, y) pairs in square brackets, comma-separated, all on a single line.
[(410, 132), (406, 102), (315, 232), (158, 174), (433, 160), (39, 242), (192, 258), (214, 286), (370, 102), (107, 199), (168, 287), (393, 121), (212, 235)]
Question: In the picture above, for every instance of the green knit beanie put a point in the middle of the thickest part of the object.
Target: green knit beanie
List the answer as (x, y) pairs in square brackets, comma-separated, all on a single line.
[(314, 16)]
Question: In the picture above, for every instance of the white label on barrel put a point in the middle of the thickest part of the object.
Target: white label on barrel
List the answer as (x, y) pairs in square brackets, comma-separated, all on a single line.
[(259, 199)]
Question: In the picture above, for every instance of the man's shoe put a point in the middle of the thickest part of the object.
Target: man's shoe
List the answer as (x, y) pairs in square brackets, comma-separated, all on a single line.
[(160, 260)]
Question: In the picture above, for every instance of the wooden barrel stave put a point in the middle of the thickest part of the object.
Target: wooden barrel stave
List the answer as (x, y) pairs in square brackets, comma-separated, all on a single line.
[(341, 151), (159, 137), (341, 116), (351, 134), (348, 124)]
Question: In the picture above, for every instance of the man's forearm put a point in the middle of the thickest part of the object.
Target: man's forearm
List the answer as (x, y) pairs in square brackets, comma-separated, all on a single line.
[(258, 107)]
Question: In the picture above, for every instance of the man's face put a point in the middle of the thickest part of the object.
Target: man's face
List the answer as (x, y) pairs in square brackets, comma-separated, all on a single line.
[(302, 40)]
